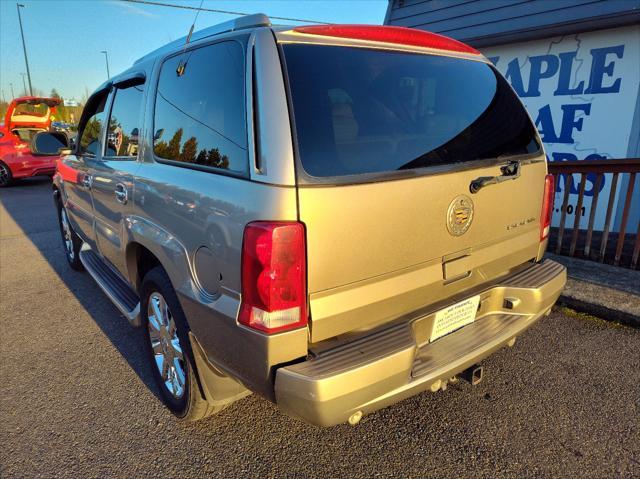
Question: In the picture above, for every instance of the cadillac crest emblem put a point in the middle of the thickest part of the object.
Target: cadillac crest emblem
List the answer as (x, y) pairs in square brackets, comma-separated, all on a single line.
[(460, 215)]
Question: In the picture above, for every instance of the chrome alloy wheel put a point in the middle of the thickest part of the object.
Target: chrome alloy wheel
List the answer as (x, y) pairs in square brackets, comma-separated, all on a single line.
[(165, 344), (66, 234), (5, 175)]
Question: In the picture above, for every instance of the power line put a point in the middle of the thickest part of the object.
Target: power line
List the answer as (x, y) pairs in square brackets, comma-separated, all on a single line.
[(214, 10)]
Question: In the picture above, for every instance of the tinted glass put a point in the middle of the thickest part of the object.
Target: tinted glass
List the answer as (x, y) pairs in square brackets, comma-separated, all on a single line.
[(200, 108), (122, 138), (30, 109), (90, 139), (26, 134), (50, 143), (368, 111)]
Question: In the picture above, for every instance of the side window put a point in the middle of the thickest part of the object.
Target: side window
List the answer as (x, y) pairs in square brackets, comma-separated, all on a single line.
[(90, 136), (122, 136), (200, 113)]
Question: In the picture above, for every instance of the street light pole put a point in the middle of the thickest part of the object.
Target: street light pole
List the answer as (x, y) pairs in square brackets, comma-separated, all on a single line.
[(24, 85), (24, 47), (106, 59)]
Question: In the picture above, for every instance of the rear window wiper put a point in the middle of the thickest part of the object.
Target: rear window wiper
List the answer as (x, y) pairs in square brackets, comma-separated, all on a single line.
[(510, 171)]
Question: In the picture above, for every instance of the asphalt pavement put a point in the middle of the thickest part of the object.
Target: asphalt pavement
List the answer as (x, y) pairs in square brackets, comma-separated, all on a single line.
[(78, 398)]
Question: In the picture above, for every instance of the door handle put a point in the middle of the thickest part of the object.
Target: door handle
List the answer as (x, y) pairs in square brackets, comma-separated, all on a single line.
[(86, 181), (121, 193)]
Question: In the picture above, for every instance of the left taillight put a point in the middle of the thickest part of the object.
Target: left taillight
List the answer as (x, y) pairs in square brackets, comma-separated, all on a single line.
[(274, 281), (547, 207)]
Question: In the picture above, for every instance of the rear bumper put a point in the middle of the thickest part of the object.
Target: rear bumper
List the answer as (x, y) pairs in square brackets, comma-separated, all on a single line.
[(390, 365), (29, 171)]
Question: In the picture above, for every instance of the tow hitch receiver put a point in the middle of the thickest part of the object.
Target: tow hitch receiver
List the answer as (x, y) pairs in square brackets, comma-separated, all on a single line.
[(473, 375)]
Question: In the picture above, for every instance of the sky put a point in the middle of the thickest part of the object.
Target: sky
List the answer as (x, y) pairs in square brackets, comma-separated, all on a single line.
[(64, 38)]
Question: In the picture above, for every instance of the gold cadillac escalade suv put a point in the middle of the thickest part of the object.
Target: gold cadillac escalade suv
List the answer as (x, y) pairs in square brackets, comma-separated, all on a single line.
[(335, 217)]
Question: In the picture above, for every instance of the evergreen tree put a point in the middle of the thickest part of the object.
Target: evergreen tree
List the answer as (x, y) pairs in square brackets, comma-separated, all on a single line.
[(201, 159), (215, 159), (189, 150), (160, 149), (173, 149)]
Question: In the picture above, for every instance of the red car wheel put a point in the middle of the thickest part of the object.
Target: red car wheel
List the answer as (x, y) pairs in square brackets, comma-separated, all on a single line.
[(5, 175)]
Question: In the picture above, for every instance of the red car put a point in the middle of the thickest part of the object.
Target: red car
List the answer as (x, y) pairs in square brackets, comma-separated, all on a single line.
[(25, 117)]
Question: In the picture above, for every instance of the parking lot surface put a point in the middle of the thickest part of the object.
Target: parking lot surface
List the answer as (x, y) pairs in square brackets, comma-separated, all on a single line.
[(78, 398)]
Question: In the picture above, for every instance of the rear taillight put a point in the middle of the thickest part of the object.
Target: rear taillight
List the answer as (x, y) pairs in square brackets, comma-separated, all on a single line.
[(547, 207), (274, 281), (389, 34)]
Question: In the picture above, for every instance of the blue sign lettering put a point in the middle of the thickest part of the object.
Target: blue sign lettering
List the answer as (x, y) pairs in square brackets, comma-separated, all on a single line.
[(537, 72), (544, 123), (564, 77), (599, 69), (514, 77), (570, 122)]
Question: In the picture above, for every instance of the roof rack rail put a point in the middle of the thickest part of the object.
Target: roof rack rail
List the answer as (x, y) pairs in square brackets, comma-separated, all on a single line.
[(240, 23)]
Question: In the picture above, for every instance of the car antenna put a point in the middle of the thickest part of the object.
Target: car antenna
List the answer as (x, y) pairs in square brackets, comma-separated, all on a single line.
[(183, 63)]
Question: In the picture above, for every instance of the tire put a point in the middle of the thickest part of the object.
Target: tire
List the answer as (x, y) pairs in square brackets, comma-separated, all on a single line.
[(71, 242), (173, 367), (6, 177)]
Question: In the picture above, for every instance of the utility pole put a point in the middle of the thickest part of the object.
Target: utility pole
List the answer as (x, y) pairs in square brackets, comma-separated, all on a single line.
[(24, 47), (106, 59), (24, 85), (13, 95)]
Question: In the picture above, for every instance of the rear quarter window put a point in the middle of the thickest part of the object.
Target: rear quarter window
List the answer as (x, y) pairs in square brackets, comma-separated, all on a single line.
[(200, 116), (360, 111)]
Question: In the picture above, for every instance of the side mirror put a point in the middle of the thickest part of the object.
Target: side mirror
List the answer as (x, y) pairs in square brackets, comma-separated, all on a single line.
[(49, 143)]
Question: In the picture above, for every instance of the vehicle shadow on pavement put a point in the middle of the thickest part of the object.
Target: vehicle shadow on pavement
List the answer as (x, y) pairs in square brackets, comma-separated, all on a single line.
[(29, 204)]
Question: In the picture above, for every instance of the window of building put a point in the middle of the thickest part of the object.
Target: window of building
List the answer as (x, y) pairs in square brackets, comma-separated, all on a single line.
[(200, 116), (122, 136)]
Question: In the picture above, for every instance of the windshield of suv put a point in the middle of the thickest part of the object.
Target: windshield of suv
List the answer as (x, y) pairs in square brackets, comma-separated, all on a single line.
[(362, 111)]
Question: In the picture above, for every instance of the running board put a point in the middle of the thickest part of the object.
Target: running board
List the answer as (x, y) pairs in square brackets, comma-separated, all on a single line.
[(118, 291)]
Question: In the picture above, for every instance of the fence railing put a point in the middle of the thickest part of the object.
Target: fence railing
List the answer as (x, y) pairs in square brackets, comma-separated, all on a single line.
[(624, 247)]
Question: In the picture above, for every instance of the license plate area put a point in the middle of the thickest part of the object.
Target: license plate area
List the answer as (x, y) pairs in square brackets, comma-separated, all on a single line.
[(454, 317)]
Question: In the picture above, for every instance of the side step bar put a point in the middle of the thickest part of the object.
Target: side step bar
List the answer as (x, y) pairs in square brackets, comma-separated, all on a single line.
[(118, 291)]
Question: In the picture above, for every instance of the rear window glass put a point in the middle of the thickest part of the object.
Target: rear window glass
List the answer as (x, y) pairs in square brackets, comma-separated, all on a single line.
[(30, 110), (27, 109), (369, 111)]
